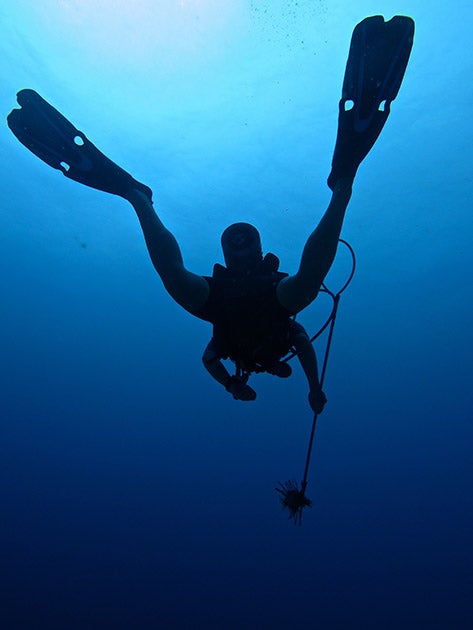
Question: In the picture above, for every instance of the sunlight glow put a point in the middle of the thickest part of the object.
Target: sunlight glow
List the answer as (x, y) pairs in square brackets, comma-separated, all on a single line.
[(142, 31)]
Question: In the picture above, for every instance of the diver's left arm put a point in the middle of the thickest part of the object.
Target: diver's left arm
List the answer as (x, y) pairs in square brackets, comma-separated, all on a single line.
[(233, 384)]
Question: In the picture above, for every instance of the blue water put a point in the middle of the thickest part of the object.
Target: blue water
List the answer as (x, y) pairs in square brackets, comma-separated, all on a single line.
[(135, 492)]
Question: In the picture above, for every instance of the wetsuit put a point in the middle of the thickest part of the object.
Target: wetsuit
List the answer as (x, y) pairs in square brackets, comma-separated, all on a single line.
[(249, 324)]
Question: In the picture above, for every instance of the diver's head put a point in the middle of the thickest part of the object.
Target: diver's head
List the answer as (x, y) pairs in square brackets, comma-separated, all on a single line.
[(241, 246)]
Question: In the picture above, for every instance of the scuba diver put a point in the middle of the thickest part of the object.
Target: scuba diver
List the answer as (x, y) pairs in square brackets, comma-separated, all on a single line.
[(249, 302)]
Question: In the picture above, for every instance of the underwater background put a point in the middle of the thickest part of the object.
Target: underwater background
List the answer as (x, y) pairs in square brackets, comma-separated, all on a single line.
[(135, 492)]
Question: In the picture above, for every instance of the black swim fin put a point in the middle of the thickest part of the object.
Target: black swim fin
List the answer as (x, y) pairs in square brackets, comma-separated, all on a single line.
[(50, 136), (379, 52)]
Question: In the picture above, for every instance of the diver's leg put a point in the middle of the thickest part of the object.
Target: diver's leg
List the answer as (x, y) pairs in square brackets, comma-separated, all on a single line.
[(321, 246), (298, 291), (186, 288)]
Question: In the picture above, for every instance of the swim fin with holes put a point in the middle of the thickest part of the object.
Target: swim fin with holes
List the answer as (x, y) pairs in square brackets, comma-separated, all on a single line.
[(51, 137), (377, 61)]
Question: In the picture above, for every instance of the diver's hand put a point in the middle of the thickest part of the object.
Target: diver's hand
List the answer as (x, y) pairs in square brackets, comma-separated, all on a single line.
[(240, 390), (317, 400)]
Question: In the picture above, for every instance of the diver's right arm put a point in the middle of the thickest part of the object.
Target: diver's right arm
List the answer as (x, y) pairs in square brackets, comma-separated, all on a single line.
[(188, 289)]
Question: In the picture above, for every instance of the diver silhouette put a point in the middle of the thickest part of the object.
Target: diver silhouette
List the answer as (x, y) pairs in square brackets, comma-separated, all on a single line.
[(250, 303)]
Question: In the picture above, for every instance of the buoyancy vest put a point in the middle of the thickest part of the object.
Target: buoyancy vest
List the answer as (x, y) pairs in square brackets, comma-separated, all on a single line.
[(250, 326)]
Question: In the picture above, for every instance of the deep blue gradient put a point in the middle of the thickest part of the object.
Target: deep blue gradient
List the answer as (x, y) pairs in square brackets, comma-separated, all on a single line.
[(135, 493)]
